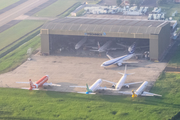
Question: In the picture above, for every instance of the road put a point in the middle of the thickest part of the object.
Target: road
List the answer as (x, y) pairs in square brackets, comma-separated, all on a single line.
[(19, 10)]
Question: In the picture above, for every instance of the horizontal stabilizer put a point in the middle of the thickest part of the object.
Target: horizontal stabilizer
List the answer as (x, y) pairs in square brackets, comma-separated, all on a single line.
[(150, 94)]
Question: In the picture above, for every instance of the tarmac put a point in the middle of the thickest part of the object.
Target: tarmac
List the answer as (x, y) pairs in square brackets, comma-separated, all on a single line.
[(72, 70)]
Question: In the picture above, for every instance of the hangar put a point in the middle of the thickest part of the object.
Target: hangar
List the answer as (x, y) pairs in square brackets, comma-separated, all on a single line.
[(156, 32)]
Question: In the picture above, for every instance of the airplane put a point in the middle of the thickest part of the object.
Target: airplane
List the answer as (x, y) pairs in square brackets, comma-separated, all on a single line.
[(104, 48), (140, 91), (121, 82), (40, 83), (80, 43), (120, 60), (93, 88)]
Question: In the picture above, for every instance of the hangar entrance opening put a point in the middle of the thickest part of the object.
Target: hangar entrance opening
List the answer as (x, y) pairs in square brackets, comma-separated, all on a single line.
[(66, 45), (69, 31)]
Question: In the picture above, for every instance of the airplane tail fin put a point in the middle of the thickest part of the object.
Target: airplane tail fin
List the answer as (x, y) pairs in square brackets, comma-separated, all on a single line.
[(133, 94), (31, 84), (131, 49), (87, 89), (98, 45)]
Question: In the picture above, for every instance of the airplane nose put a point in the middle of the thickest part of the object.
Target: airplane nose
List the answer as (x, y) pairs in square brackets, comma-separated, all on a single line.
[(102, 65)]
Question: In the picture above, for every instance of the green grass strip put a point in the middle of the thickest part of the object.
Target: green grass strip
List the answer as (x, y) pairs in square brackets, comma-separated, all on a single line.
[(19, 55)]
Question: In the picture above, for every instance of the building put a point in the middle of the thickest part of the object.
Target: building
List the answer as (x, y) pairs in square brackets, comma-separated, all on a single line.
[(157, 33)]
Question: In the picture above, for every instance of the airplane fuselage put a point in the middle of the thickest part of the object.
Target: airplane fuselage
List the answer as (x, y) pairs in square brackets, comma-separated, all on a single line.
[(80, 43), (140, 90), (39, 83), (117, 60), (121, 82), (105, 46), (96, 85)]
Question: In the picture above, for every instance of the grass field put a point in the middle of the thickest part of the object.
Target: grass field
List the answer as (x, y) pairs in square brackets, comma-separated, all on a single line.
[(17, 31), (24, 104), (60, 6), (5, 3), (18, 56), (170, 8), (56, 8)]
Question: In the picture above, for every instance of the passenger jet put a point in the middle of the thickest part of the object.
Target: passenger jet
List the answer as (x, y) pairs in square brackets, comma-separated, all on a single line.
[(120, 60), (140, 91), (93, 88), (121, 82), (80, 43), (40, 83)]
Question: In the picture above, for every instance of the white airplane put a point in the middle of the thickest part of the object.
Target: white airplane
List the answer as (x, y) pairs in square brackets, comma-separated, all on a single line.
[(104, 48), (93, 88), (121, 82), (120, 60), (140, 91), (80, 43)]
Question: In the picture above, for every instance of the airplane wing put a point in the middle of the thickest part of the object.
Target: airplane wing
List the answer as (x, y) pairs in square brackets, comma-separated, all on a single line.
[(104, 88), (132, 83), (23, 82), (50, 84), (150, 94), (80, 86), (109, 56), (26, 82), (110, 82)]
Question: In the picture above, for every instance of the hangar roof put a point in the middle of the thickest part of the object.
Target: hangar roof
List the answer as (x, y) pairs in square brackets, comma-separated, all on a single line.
[(106, 25)]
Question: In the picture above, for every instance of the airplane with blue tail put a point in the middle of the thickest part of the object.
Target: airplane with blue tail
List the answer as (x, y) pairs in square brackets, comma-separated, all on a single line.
[(120, 60)]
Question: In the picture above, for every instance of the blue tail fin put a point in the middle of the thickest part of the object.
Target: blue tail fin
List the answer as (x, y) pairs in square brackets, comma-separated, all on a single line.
[(131, 49)]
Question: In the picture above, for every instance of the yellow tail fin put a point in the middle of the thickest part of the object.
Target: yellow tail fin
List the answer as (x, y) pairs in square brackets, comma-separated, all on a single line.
[(133, 94)]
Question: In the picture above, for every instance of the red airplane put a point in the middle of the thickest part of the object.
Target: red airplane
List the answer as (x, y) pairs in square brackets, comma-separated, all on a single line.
[(40, 83)]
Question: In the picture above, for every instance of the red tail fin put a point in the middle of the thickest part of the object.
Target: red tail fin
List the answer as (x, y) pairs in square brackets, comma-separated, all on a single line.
[(31, 84)]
